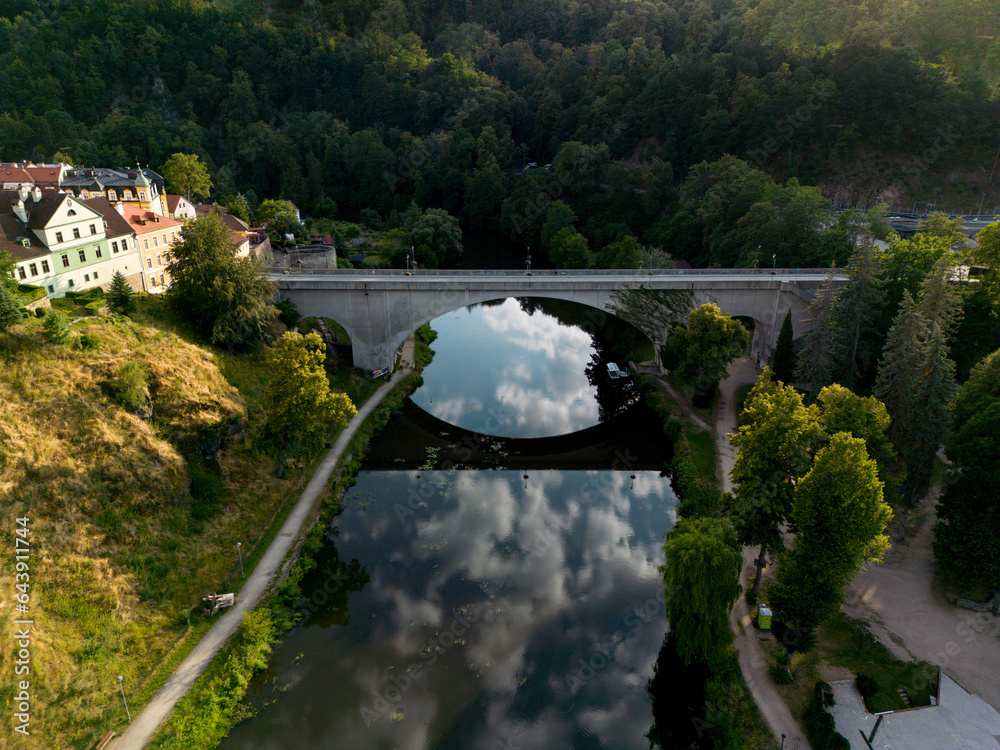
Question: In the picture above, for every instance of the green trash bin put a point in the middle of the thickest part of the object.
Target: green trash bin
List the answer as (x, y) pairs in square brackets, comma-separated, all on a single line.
[(763, 617)]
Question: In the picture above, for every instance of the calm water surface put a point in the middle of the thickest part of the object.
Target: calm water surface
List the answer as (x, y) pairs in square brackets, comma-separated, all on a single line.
[(457, 608)]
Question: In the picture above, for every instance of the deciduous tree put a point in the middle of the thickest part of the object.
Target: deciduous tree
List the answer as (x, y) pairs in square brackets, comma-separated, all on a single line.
[(700, 584), (299, 404), (710, 342), (228, 299), (775, 439), (653, 311), (186, 174), (840, 517)]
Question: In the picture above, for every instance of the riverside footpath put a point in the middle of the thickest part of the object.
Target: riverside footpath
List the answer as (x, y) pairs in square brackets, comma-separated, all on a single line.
[(146, 724)]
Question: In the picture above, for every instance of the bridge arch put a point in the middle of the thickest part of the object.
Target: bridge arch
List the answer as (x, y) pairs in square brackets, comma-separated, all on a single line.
[(379, 310)]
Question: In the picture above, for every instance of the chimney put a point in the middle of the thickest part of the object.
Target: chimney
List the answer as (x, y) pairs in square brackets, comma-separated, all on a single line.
[(23, 190), (120, 208), (36, 194), (20, 212)]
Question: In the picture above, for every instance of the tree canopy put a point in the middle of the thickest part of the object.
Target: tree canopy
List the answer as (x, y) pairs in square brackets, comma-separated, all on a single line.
[(300, 407), (186, 174), (226, 298), (705, 348)]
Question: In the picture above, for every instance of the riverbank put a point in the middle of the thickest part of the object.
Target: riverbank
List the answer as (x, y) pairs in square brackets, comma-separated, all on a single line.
[(199, 723)]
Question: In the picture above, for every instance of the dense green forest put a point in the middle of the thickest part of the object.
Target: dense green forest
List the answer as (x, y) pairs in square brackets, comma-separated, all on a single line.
[(344, 106)]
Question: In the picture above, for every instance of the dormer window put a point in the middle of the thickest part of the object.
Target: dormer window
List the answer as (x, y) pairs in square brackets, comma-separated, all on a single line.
[(26, 242), (128, 195), (112, 196), (84, 195), (142, 195)]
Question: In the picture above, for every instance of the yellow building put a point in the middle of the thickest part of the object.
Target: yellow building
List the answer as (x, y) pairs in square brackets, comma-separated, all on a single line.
[(141, 188)]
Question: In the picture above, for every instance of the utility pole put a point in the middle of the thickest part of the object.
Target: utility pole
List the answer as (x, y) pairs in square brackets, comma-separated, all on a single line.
[(127, 712)]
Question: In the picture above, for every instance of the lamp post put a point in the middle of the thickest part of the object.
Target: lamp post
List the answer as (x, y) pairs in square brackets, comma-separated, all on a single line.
[(774, 261), (239, 551), (127, 712), (527, 262), (782, 741)]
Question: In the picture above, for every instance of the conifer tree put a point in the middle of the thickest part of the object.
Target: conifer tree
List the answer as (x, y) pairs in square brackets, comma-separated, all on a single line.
[(56, 327), (940, 298), (783, 362), (856, 311), (120, 298), (820, 345), (898, 370), (935, 390)]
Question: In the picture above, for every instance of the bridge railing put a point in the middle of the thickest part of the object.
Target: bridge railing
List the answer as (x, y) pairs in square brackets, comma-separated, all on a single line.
[(388, 272)]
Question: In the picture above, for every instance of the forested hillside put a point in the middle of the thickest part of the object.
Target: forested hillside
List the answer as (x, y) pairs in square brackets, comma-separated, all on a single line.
[(343, 106)]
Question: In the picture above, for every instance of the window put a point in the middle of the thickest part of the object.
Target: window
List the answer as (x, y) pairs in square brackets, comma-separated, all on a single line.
[(155, 243), (98, 251), (152, 281), (83, 194), (112, 196), (51, 289), (45, 266), (59, 237), (142, 195), (149, 262), (83, 256), (21, 272), (71, 282), (158, 261), (65, 260), (164, 283), (76, 233), (34, 269), (164, 238), (145, 244), (86, 277), (128, 195), (93, 229), (26, 242), (114, 247), (95, 274), (71, 212)]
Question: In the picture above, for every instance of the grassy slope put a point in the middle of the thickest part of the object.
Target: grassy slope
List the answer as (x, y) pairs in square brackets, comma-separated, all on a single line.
[(118, 562)]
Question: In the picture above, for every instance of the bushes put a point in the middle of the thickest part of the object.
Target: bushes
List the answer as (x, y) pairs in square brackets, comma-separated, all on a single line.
[(129, 388), (289, 315), (56, 327), (867, 685), (820, 726), (206, 493)]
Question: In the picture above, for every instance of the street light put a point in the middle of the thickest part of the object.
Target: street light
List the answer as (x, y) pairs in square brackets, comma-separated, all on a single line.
[(782, 741), (127, 712), (527, 263), (774, 261), (240, 552)]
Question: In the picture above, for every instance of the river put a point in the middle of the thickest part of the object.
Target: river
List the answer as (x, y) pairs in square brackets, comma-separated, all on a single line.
[(493, 580)]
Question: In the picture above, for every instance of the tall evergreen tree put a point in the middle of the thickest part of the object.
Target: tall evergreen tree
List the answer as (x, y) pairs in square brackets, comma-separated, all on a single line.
[(120, 298), (940, 297), (856, 312), (820, 345), (931, 402), (898, 371), (783, 362)]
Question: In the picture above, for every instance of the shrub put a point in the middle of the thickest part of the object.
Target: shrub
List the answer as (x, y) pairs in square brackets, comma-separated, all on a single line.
[(819, 724), (781, 674), (94, 307), (867, 685), (289, 315), (56, 327), (39, 312), (129, 388), (86, 342), (206, 493)]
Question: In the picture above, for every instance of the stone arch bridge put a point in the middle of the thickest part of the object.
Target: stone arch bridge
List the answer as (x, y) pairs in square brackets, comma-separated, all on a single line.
[(379, 309)]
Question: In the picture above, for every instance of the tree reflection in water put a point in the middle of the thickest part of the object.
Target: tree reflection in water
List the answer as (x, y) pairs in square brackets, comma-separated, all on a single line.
[(678, 693)]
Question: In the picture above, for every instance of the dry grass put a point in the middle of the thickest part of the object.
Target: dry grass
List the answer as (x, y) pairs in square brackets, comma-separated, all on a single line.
[(117, 560)]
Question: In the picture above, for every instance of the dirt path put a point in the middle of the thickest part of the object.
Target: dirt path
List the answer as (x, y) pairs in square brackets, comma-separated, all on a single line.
[(146, 724), (753, 662), (914, 621)]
